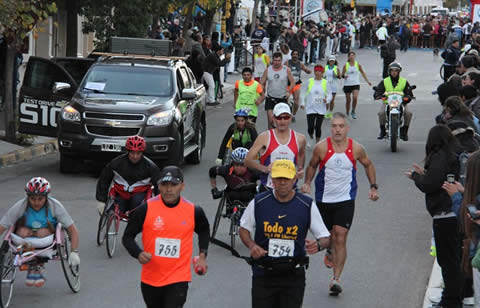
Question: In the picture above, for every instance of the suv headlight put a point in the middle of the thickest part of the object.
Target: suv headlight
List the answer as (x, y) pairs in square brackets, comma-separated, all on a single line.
[(162, 118), (70, 114)]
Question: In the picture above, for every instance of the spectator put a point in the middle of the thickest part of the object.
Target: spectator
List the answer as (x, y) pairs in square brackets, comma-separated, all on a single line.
[(213, 63), (178, 50), (456, 110)]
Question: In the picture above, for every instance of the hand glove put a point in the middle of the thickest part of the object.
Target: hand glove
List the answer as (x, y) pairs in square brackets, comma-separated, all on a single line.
[(216, 194), (100, 207), (218, 162), (74, 259)]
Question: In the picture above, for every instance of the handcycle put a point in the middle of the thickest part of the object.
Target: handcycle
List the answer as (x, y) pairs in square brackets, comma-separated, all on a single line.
[(233, 211), (109, 222), (19, 254)]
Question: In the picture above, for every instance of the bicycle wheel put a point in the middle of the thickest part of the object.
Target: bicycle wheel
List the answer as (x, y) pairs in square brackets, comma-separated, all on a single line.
[(7, 272), (233, 230), (218, 215), (72, 273), (101, 232), (112, 231)]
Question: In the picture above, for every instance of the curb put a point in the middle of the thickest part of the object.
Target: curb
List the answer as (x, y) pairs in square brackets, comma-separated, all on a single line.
[(434, 287), (28, 153)]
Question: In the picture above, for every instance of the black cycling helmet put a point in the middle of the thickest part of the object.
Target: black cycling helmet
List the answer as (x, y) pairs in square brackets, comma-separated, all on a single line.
[(395, 65)]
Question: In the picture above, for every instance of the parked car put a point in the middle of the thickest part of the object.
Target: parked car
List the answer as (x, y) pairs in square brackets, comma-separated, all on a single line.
[(93, 106)]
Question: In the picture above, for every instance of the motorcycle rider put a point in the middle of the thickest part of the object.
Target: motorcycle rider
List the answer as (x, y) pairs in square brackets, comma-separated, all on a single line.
[(394, 83), (133, 174)]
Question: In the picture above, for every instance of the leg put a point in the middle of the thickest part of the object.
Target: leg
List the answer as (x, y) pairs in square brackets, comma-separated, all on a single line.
[(24, 232), (348, 96), (382, 119), (262, 295), (211, 87), (292, 295), (152, 296), (270, 118), (123, 205), (407, 116), (332, 102), (339, 239), (310, 124), (296, 99), (355, 100), (176, 295), (136, 200), (447, 241), (318, 126)]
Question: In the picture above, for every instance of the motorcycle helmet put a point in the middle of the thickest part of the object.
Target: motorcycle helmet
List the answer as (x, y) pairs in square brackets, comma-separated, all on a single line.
[(135, 143), (38, 186), (395, 65), (240, 113), (239, 154)]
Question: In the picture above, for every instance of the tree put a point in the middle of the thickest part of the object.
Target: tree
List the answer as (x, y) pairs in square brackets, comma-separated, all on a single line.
[(18, 18)]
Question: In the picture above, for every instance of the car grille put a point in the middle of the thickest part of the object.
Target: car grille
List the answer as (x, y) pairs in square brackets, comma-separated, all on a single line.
[(114, 116), (112, 131)]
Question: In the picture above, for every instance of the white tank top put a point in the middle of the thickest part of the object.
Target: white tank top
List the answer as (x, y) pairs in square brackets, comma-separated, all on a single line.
[(330, 74), (352, 76), (259, 66), (277, 82), (315, 99)]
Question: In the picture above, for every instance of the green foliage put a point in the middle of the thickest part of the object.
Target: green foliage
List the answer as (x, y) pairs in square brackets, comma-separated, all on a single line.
[(19, 17)]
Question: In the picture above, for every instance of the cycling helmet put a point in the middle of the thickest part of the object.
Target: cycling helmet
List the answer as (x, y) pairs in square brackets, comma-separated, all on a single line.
[(240, 113), (395, 65), (135, 143), (38, 186), (239, 154)]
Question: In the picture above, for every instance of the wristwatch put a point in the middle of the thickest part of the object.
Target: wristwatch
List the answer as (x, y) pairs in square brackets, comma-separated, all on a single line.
[(320, 248), (374, 186)]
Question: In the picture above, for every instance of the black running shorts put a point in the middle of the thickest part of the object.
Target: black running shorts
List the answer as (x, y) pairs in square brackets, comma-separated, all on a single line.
[(337, 214), (350, 89), (270, 102)]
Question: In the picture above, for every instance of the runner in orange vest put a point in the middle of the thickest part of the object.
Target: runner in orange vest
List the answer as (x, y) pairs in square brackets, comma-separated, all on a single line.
[(167, 223)]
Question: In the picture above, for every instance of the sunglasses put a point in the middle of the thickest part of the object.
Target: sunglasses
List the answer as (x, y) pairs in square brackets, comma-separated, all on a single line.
[(284, 117)]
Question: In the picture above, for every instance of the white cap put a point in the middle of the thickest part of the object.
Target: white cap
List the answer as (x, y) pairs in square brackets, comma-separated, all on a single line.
[(332, 58), (281, 108)]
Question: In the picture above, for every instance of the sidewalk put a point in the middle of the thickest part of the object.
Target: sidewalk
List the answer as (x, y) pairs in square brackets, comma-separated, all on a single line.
[(11, 154), (434, 288)]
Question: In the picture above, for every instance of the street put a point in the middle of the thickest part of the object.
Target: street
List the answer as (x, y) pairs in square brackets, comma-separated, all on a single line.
[(388, 263)]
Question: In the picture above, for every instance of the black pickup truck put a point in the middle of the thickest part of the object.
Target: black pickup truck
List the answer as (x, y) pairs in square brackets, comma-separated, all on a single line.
[(93, 105)]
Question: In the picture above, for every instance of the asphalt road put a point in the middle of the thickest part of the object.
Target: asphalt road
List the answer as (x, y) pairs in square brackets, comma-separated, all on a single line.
[(388, 262)]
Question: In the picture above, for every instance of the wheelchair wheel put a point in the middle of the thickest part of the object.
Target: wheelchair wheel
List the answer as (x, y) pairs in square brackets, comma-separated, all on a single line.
[(112, 231), (233, 230), (7, 272), (218, 215), (72, 273), (101, 232)]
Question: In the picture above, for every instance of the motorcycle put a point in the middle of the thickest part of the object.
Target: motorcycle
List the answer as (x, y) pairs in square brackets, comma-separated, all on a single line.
[(394, 112)]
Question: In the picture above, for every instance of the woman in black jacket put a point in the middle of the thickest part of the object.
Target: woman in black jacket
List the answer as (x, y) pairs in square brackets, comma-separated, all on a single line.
[(441, 161)]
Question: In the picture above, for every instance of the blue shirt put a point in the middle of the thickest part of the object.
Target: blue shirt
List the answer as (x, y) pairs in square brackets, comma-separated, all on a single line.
[(38, 219)]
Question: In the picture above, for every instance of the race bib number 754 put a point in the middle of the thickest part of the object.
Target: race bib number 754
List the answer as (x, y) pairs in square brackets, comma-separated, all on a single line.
[(280, 248), (167, 248)]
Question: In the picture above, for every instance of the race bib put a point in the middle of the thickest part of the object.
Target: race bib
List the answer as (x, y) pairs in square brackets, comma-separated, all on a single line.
[(167, 248), (318, 100), (280, 248)]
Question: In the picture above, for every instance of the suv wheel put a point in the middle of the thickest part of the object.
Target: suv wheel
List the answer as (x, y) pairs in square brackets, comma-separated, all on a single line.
[(196, 156), (68, 164), (175, 153)]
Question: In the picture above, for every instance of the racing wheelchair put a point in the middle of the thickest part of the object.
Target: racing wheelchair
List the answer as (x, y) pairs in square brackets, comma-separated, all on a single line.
[(232, 210), (21, 254), (109, 222)]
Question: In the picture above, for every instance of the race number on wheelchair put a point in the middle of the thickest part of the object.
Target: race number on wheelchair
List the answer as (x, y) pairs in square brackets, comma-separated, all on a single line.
[(280, 248), (167, 247)]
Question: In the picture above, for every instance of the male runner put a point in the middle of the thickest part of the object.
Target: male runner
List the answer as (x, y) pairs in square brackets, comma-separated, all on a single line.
[(282, 142), (296, 66), (336, 189), (278, 77)]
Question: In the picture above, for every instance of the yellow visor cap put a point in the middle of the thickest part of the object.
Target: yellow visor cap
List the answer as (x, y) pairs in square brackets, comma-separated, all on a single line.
[(283, 168)]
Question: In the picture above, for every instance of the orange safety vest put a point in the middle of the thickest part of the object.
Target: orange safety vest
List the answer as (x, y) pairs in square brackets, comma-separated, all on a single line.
[(168, 235)]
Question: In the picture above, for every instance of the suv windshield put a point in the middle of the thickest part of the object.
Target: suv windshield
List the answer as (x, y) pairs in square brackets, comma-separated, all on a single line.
[(129, 80)]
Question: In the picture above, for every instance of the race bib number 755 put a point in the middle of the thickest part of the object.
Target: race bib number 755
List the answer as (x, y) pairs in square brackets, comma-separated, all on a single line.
[(167, 248), (280, 248)]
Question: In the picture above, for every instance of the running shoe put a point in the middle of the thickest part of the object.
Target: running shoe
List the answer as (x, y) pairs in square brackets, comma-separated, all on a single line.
[(31, 278), (40, 279), (335, 288), (354, 116), (328, 259)]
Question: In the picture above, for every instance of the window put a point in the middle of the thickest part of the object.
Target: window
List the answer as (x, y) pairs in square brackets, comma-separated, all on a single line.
[(44, 74), (186, 80)]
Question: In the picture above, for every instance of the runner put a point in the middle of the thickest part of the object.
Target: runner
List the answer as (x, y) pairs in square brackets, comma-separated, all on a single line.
[(248, 95), (296, 66), (336, 189), (279, 221), (167, 223), (278, 77), (262, 62), (332, 73), (351, 74), (282, 142)]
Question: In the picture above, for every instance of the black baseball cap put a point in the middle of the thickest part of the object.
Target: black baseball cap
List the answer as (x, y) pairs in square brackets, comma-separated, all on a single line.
[(171, 174)]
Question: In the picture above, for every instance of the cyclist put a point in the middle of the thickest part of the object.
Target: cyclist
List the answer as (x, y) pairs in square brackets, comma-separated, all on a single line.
[(242, 133), (275, 80), (37, 216), (248, 94), (394, 83), (296, 66), (133, 175), (236, 175)]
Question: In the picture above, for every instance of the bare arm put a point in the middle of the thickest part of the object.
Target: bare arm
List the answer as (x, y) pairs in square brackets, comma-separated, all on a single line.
[(235, 97), (292, 81), (263, 80), (2, 229), (305, 69), (73, 233), (344, 71), (362, 157), (338, 73), (260, 98), (255, 250), (302, 142), (363, 74), (251, 159), (317, 156)]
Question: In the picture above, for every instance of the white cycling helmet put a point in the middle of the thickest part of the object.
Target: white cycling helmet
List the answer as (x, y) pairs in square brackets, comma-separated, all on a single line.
[(239, 154)]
